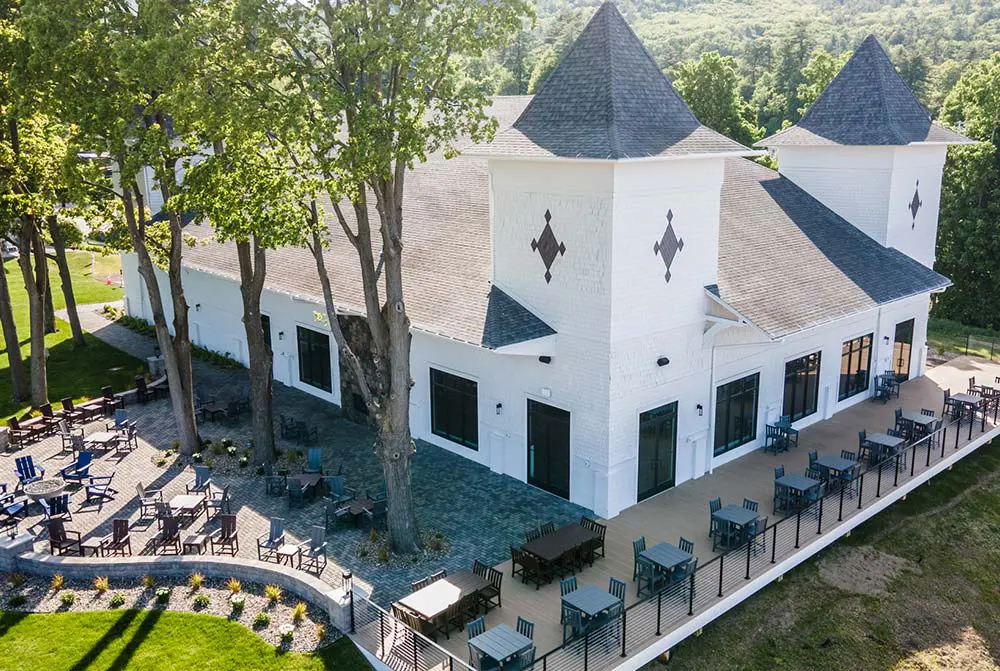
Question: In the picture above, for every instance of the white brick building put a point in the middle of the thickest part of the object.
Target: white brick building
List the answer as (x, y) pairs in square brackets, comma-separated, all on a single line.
[(608, 300)]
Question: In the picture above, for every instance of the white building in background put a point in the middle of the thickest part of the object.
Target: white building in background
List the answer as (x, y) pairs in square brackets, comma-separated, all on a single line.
[(609, 299)]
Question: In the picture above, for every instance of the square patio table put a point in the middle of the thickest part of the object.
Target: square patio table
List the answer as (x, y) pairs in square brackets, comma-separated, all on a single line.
[(967, 399), (431, 601), (289, 552), (666, 556), (797, 483), (500, 643), (357, 508), (734, 514), (835, 464), (189, 505), (103, 439), (590, 600), (919, 418)]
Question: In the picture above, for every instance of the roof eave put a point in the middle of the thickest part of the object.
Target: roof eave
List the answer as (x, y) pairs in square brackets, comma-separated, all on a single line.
[(748, 153)]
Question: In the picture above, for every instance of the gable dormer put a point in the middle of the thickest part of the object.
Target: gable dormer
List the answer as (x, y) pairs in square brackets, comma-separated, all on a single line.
[(868, 150)]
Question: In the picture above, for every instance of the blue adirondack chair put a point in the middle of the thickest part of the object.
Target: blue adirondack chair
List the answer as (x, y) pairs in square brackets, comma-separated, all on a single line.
[(27, 471), (268, 544), (121, 422), (314, 461), (12, 505), (99, 487), (80, 470), (57, 506), (202, 480)]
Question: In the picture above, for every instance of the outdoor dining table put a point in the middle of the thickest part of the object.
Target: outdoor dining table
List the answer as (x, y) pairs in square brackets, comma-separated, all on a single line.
[(666, 557), (501, 643), (104, 440), (835, 466), (431, 601), (735, 518), (973, 402), (883, 445), (550, 547), (189, 505), (590, 600), (798, 485)]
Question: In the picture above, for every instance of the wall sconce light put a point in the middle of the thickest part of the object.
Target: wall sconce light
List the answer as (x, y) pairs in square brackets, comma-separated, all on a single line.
[(885, 339), (701, 410), (499, 408), (662, 361), (545, 359), (281, 335), (197, 307)]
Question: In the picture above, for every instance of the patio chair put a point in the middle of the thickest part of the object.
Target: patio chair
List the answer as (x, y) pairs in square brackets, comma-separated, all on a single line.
[(756, 536), (573, 622), (22, 433), (305, 433), (297, 493), (27, 471), (927, 413), (531, 533), (489, 596), (616, 588), (67, 435), (148, 499), (313, 551), (118, 542), (314, 461), (129, 440), (61, 539), (849, 480), (269, 542), (169, 536), (775, 439), (454, 616), (648, 579), (638, 546), (335, 512), (287, 426), (566, 586), (529, 567), (597, 544), (274, 485), (686, 546), (143, 394), (714, 506), (337, 489), (79, 470), (110, 401), (121, 422), (49, 419), (376, 493), (202, 481), (438, 575), (792, 435), (99, 487), (472, 629), (56, 506), (751, 505), (225, 539), (418, 585), (526, 628), (12, 505), (70, 413), (219, 501), (375, 516), (546, 527), (779, 471), (813, 456)]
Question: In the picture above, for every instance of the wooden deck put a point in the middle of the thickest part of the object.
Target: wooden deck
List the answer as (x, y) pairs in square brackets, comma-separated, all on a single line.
[(683, 510)]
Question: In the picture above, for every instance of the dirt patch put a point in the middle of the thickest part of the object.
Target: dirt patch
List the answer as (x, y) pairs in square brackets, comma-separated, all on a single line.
[(968, 653), (861, 570)]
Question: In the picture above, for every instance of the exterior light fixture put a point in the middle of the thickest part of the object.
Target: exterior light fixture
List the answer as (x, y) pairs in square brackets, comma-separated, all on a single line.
[(545, 359), (197, 307), (701, 410), (885, 339), (281, 335), (499, 408), (662, 361)]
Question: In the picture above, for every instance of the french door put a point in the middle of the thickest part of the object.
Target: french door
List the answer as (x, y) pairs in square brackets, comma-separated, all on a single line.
[(548, 448), (901, 350), (657, 450)]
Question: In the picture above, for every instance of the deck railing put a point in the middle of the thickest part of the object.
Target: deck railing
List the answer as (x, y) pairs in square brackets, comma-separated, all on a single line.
[(654, 616)]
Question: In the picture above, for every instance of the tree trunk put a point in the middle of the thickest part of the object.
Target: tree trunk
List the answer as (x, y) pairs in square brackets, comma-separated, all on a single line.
[(67, 281), (50, 308), (253, 269), (32, 253), (18, 375), (181, 396)]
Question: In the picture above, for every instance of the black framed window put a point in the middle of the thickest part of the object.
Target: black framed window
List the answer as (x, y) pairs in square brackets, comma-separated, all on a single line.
[(455, 408), (736, 413), (801, 386), (265, 323), (855, 366), (314, 358)]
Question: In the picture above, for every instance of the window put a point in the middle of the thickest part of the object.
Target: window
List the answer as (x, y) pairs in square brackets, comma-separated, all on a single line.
[(855, 365), (314, 358), (736, 413), (265, 323), (801, 386), (455, 408)]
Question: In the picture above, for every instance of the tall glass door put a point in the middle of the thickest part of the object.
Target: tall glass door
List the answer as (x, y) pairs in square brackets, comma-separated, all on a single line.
[(901, 350), (657, 450)]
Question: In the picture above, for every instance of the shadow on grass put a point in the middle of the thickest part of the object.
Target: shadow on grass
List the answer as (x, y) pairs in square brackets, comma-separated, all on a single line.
[(9, 620), (115, 632)]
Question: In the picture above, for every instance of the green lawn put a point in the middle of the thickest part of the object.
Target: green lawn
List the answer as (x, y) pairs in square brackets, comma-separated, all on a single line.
[(76, 373), (942, 611), (946, 335), (151, 641)]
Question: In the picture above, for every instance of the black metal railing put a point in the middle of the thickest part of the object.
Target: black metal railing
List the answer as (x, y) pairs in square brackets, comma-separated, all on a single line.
[(656, 615)]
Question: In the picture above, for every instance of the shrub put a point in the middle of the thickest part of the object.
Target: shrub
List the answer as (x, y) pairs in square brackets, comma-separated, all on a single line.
[(196, 581), (218, 449), (67, 598), (383, 556), (201, 601), (299, 612), (175, 446), (227, 442), (320, 632), (273, 593), (287, 632), (58, 582), (262, 620), (196, 457), (162, 595), (161, 462), (234, 585), (373, 535), (117, 600), (208, 462), (237, 601), (148, 582), (231, 451), (435, 543), (101, 584), (16, 580), (244, 462), (17, 601)]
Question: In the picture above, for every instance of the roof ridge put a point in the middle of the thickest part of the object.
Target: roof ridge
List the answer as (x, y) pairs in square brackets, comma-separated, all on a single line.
[(614, 141)]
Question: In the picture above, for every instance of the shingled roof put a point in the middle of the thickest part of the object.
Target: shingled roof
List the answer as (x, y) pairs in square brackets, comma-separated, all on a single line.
[(867, 103), (607, 99), (788, 263)]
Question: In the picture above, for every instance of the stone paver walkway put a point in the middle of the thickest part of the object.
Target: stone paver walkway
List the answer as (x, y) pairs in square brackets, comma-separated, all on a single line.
[(479, 512)]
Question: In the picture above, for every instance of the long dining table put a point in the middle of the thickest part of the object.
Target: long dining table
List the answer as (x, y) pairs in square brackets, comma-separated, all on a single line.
[(551, 547), (430, 602)]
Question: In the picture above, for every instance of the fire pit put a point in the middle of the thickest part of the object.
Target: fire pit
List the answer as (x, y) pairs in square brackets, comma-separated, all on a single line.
[(44, 489)]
